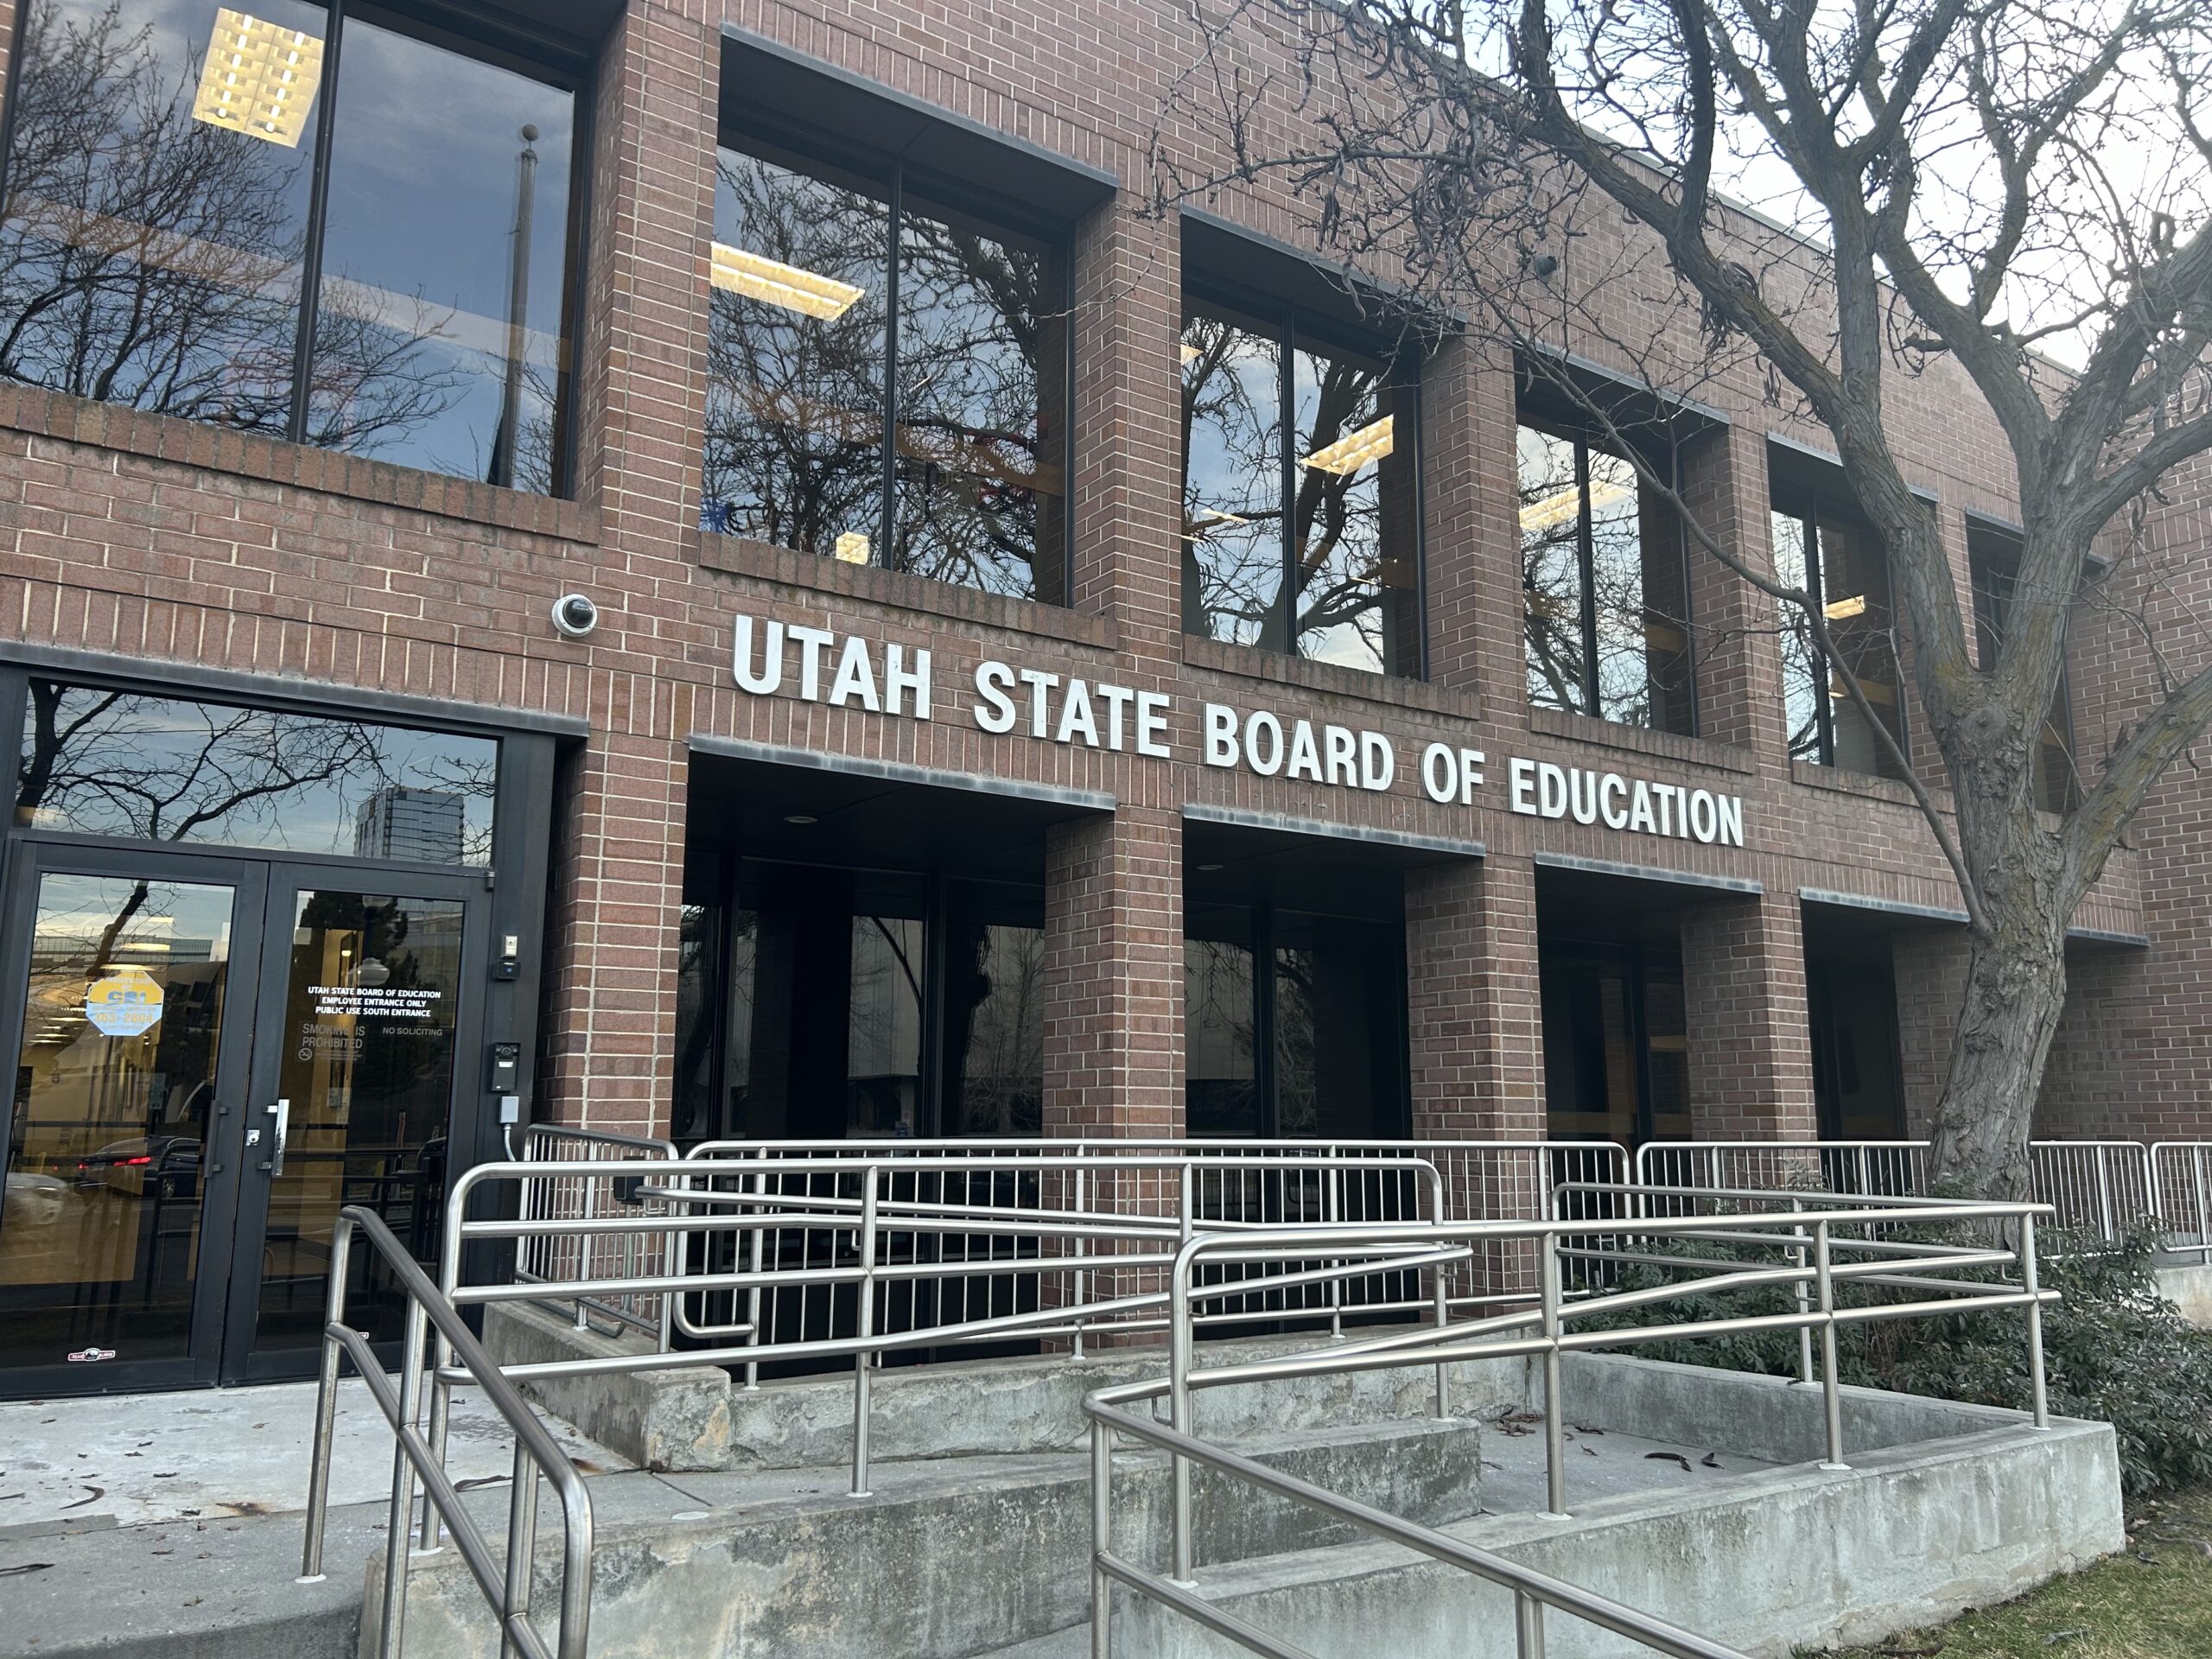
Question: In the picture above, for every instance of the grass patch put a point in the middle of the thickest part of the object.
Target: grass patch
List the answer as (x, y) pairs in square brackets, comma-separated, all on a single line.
[(2151, 1601)]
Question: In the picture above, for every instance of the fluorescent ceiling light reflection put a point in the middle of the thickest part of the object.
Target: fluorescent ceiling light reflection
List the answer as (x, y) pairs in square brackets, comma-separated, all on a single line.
[(1559, 508), (1212, 518), (1837, 610), (1192, 353), (1355, 450), (259, 79), (852, 548), (758, 277)]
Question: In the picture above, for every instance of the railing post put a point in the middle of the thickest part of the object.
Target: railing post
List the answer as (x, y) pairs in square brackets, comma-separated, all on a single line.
[(864, 1362), (326, 1403), (1332, 1211), (758, 1232), (399, 1530), (1804, 1300), (521, 1544), (2203, 1214), (1179, 1406), (2104, 1192), (2030, 1281), (1554, 1422), (1101, 1539), (1831, 1394), (1082, 1278), (1528, 1626)]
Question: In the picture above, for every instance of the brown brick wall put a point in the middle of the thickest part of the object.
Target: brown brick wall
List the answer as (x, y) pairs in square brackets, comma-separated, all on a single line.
[(151, 540)]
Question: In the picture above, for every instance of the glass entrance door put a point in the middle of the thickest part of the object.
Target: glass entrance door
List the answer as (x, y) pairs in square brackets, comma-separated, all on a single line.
[(212, 1056), (123, 1125), (354, 1074)]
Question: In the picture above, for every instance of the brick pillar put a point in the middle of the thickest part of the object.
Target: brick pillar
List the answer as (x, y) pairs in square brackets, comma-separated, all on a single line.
[(608, 1033), (1113, 978), (1931, 968), (1476, 1022), (1732, 623), (1749, 1032)]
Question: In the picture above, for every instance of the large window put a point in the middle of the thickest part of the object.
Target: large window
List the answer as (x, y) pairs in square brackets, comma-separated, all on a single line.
[(99, 762), (1312, 1045), (173, 240), (1605, 608), (1837, 562), (886, 378), (1300, 506), (1993, 562)]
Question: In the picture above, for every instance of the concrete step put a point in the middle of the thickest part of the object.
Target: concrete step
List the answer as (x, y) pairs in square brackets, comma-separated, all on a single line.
[(947, 1557)]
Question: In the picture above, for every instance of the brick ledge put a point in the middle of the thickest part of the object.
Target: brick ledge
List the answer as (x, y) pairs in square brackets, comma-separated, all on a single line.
[(71, 419), (1250, 662)]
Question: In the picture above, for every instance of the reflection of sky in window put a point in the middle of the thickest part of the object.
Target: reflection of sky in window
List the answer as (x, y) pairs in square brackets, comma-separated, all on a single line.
[(206, 773), (424, 165), (1234, 470)]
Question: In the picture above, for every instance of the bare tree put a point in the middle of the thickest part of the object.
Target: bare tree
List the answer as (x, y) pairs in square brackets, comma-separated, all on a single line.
[(1949, 188)]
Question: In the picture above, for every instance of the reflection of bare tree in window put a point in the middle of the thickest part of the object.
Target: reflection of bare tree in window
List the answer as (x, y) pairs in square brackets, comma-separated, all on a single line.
[(979, 472), (110, 763), (151, 259), (795, 403), (1337, 521), (1232, 484), (1551, 570)]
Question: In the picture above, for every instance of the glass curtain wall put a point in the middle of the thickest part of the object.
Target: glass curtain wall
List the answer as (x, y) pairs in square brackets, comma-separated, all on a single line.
[(1300, 496), (1605, 595), (886, 378), (1616, 1041), (1837, 562), (817, 1003), (1313, 1048), (169, 244), (1994, 561)]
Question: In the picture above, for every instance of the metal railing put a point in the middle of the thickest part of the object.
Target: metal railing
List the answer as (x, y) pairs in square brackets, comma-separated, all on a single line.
[(2181, 1183), (1897, 1168), (1803, 1241), (2098, 1187), (884, 1244), (507, 1585), (579, 1251)]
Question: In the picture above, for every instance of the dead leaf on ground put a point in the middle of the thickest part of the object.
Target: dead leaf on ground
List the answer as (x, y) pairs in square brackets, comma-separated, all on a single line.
[(1668, 1457), (24, 1566), (91, 1495)]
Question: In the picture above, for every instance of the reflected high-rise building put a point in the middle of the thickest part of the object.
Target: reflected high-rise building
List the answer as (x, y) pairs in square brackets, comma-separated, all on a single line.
[(425, 826)]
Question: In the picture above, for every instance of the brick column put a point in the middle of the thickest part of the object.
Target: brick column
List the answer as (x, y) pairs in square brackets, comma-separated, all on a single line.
[(1732, 623), (609, 1033), (1475, 1019), (1113, 978), (1749, 1032), (1930, 967)]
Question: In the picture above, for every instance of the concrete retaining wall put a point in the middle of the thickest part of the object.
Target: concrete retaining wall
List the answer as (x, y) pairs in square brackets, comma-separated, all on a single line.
[(1785, 1558), (954, 1557), (694, 1419), (2188, 1285)]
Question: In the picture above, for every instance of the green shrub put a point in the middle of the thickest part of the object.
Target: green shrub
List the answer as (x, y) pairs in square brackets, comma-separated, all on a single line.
[(2114, 1349)]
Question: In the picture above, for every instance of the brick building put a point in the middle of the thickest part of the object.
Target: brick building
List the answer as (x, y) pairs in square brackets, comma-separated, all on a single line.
[(1052, 666)]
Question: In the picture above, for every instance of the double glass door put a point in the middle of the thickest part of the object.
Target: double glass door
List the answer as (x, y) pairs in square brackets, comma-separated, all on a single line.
[(212, 1056)]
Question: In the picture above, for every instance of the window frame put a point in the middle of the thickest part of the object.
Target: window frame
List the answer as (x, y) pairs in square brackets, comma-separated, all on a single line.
[(885, 177), (1291, 328), (507, 45), (1566, 430), (1807, 507)]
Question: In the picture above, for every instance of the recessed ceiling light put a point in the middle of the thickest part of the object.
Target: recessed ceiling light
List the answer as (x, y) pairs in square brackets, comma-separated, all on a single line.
[(259, 79), (798, 817), (1208, 869), (758, 277), (1355, 450)]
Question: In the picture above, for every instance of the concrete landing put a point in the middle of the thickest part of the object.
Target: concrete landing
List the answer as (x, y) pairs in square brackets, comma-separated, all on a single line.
[(120, 1460)]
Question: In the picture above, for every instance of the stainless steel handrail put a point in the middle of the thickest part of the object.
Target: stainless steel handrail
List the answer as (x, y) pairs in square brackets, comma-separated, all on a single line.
[(1807, 1249), (506, 1587)]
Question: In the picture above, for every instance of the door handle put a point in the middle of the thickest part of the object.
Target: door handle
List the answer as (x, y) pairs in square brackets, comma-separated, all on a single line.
[(281, 1111)]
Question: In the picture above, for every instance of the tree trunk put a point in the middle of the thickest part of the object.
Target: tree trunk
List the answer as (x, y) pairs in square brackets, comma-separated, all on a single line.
[(2015, 991)]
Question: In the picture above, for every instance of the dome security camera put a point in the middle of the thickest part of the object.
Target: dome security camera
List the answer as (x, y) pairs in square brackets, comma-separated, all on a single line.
[(575, 615)]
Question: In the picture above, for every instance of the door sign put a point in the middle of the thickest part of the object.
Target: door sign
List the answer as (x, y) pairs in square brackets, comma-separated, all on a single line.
[(127, 1003)]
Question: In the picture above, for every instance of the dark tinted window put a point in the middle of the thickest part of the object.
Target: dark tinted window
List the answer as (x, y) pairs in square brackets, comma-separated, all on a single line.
[(158, 228), (1994, 561), (112, 763), (1300, 503), (1835, 560), (813, 371), (1605, 609)]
